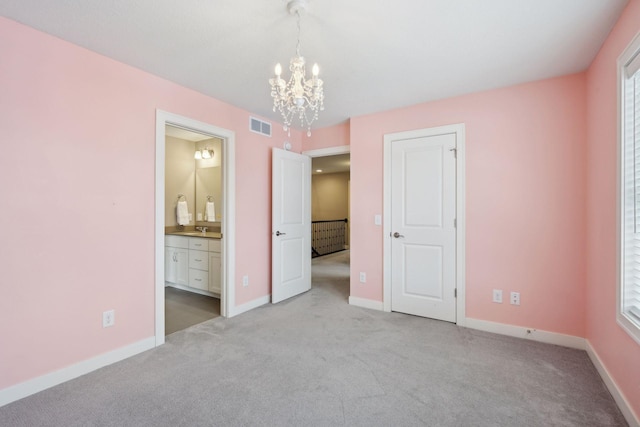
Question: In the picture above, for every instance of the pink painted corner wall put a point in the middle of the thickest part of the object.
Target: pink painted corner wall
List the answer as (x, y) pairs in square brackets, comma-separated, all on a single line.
[(525, 199), (332, 136), (619, 353), (77, 180)]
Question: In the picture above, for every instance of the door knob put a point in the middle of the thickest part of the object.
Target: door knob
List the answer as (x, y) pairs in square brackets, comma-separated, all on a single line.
[(278, 233), (397, 235)]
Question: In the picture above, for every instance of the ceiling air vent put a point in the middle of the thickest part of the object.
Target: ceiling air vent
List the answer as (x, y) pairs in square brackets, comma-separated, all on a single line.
[(258, 126)]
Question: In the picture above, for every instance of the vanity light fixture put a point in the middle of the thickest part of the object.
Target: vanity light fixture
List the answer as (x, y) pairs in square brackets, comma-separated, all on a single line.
[(205, 153)]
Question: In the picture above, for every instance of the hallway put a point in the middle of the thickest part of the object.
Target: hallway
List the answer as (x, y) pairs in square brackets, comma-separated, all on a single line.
[(332, 273)]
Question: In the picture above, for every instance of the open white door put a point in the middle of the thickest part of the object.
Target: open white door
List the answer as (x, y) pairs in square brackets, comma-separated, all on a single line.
[(291, 225)]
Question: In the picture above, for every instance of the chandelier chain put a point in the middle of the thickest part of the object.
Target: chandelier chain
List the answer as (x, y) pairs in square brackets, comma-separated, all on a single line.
[(298, 44)]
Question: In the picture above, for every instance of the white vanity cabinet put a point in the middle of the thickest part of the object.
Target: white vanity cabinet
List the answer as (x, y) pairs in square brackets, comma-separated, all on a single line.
[(193, 263), (215, 266), (176, 260), (199, 263)]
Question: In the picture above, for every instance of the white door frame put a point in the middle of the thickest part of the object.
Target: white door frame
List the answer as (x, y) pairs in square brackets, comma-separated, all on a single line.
[(227, 297), (459, 130)]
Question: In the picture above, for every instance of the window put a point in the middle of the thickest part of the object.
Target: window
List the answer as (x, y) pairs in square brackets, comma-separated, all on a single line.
[(628, 312)]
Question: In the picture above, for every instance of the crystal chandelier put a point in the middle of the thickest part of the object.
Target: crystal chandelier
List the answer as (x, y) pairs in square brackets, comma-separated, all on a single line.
[(298, 97)]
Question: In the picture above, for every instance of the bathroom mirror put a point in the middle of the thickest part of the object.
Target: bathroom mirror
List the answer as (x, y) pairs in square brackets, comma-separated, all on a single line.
[(208, 183)]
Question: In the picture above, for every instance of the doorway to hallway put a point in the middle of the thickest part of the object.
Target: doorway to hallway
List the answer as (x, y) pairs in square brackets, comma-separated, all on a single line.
[(330, 273)]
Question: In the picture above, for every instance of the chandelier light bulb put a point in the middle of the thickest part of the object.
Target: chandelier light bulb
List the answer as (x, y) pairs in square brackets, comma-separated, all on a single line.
[(278, 69), (316, 70)]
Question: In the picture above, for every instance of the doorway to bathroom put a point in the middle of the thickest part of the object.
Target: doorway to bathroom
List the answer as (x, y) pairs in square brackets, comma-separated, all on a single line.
[(193, 184), (195, 217)]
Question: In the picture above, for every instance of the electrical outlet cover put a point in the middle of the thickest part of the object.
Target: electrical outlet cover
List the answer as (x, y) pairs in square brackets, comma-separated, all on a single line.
[(515, 298), (108, 318), (497, 296)]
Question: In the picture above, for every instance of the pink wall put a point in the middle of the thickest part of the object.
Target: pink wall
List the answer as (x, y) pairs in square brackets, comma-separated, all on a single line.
[(617, 350), (327, 137), (525, 199), (77, 180)]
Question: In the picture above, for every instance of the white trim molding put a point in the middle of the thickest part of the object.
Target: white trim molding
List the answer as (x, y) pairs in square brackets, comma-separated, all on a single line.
[(366, 303), (629, 57), (329, 151), (43, 382), (618, 396), (250, 305), (533, 334), (227, 297), (459, 131)]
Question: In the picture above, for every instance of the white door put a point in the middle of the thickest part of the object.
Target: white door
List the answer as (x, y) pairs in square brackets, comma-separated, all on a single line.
[(291, 225), (423, 234)]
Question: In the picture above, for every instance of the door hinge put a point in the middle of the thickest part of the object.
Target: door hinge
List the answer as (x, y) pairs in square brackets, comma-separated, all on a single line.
[(455, 152), (455, 293)]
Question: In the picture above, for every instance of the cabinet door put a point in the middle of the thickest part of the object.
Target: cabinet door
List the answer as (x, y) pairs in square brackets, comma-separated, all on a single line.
[(215, 272), (198, 279), (182, 266), (199, 260), (169, 265)]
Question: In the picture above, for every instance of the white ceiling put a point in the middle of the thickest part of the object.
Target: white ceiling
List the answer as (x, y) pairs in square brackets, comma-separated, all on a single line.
[(185, 134), (331, 164), (374, 55)]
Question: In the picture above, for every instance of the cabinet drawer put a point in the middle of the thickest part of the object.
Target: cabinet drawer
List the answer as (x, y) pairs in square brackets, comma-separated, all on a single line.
[(176, 241), (198, 279), (199, 260), (215, 245), (198, 244)]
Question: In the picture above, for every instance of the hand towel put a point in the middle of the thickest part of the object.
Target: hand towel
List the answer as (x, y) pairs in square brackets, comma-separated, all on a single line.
[(182, 213), (211, 212)]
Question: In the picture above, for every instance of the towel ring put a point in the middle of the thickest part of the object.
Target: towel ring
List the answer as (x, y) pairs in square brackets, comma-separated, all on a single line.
[(209, 198), (180, 196)]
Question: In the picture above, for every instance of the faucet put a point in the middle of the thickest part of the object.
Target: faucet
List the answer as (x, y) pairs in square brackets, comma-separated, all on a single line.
[(203, 229)]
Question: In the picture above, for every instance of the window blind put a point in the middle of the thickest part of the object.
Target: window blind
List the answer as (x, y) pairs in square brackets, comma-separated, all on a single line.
[(631, 284)]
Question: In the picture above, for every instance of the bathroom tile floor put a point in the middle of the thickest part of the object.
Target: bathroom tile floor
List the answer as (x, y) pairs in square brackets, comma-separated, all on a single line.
[(184, 309)]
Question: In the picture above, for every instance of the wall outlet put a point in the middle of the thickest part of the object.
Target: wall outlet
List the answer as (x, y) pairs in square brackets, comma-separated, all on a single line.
[(497, 296), (245, 281), (363, 277), (377, 220), (108, 318), (515, 298)]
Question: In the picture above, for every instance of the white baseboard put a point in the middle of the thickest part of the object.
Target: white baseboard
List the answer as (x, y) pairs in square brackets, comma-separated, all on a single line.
[(43, 382), (618, 396), (366, 303), (234, 311), (527, 333), (192, 290)]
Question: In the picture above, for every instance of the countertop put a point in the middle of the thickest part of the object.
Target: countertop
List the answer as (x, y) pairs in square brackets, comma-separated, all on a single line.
[(208, 234)]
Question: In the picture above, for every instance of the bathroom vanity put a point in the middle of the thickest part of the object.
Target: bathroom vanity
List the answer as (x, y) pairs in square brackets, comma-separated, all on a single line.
[(193, 262)]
